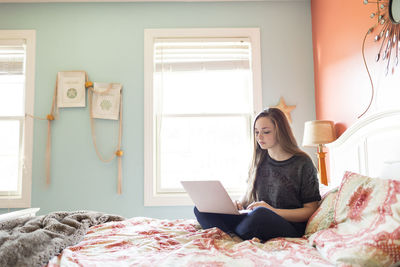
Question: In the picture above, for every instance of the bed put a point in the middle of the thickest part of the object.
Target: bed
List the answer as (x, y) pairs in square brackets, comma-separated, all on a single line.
[(356, 224)]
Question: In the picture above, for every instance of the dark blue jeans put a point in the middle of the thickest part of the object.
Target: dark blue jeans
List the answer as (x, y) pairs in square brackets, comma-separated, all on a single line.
[(260, 222)]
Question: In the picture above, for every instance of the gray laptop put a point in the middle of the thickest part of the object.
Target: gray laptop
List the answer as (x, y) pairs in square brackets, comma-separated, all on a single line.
[(211, 196)]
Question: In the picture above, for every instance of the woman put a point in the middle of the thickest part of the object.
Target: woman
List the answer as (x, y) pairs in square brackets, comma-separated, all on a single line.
[(283, 188)]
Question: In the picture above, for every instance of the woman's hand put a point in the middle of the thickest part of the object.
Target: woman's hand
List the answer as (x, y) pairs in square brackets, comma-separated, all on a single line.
[(238, 205), (293, 215), (254, 205)]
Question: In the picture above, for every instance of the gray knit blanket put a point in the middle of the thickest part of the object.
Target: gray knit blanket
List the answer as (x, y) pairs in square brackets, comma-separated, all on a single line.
[(34, 241)]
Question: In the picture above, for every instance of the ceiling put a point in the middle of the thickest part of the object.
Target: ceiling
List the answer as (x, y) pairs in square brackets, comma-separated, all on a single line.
[(75, 1)]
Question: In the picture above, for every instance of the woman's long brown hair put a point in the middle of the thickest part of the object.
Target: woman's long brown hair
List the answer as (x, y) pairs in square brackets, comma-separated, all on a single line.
[(284, 137)]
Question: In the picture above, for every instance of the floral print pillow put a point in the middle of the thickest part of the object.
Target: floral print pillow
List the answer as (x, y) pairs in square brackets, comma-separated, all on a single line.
[(366, 230), (323, 217)]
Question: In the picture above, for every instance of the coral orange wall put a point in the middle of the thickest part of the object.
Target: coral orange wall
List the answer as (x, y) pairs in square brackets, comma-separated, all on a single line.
[(342, 86)]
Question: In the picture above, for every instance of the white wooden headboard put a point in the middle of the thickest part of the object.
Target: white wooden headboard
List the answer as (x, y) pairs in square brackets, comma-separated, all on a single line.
[(367, 147)]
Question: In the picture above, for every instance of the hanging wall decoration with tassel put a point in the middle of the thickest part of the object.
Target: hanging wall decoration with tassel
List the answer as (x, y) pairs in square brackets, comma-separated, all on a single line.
[(105, 102)]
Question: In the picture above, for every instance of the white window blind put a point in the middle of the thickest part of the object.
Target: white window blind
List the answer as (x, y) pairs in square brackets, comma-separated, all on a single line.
[(202, 105), (202, 54), (12, 78), (12, 57), (202, 76)]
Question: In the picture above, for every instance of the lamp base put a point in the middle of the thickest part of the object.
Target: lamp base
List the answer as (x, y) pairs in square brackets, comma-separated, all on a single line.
[(322, 167)]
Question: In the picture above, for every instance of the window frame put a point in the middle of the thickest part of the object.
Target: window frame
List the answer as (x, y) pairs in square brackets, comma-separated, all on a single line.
[(23, 200), (151, 197)]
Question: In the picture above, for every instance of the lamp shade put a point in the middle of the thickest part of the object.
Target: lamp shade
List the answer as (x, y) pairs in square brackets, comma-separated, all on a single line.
[(318, 132)]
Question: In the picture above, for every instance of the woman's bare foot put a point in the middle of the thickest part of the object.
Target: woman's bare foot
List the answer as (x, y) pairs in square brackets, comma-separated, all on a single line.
[(255, 239)]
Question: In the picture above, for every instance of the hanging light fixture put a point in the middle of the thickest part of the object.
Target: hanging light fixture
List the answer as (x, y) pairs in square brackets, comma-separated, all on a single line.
[(386, 30)]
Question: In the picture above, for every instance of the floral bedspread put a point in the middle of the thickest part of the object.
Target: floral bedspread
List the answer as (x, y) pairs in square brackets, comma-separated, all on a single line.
[(152, 242)]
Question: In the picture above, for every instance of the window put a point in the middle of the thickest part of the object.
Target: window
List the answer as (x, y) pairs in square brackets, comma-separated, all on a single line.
[(202, 88), (17, 55)]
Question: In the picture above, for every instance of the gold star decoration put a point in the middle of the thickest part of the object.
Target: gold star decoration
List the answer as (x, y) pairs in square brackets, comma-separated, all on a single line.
[(285, 108)]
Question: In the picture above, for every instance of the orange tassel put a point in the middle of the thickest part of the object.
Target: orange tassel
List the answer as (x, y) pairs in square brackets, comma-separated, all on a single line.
[(50, 117), (88, 84)]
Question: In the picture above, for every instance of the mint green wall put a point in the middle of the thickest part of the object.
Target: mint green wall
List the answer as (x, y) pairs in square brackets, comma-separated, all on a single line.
[(106, 40)]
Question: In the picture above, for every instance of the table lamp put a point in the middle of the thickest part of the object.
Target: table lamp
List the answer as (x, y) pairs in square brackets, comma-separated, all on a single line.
[(317, 133)]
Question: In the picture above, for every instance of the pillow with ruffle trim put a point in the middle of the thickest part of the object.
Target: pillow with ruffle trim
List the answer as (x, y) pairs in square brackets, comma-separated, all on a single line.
[(366, 229)]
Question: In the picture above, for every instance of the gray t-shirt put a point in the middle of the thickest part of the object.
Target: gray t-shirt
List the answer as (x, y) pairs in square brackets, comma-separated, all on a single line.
[(287, 184)]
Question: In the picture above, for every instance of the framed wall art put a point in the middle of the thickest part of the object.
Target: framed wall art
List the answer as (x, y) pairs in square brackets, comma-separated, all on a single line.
[(106, 100), (71, 91)]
